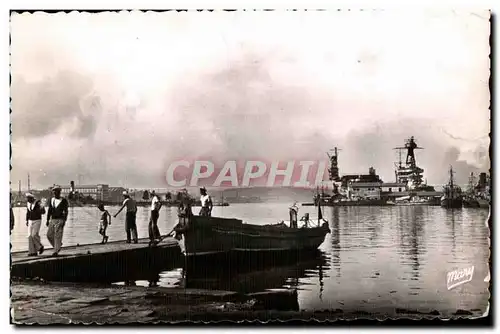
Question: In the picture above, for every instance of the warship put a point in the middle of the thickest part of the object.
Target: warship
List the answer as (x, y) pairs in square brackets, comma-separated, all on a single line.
[(369, 189)]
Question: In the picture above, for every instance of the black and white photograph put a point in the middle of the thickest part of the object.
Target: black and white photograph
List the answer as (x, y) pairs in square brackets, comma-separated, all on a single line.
[(181, 166)]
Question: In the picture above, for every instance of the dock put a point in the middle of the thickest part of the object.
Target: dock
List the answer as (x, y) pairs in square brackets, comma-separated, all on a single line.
[(110, 262)]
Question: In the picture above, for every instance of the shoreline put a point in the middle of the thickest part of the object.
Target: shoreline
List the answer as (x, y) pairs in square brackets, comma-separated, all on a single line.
[(64, 303)]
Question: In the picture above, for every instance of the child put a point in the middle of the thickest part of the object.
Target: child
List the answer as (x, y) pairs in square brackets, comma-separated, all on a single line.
[(103, 225)]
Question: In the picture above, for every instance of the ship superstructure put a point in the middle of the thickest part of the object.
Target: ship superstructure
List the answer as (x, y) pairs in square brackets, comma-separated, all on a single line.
[(453, 196), (333, 170), (407, 172)]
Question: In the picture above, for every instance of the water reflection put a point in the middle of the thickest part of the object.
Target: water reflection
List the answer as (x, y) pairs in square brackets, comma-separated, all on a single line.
[(411, 236), (334, 219), (257, 272)]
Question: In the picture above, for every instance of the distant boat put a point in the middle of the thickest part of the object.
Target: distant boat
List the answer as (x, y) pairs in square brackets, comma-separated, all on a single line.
[(483, 203), (476, 195), (211, 235), (415, 200), (453, 196)]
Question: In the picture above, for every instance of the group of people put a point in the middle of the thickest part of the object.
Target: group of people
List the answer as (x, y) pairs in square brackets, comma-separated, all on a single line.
[(57, 214)]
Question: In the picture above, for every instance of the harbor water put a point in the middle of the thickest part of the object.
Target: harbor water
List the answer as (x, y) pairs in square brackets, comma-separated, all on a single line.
[(374, 257)]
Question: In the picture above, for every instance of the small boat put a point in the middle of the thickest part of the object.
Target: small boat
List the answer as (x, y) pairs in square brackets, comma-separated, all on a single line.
[(203, 235), (452, 198), (412, 200)]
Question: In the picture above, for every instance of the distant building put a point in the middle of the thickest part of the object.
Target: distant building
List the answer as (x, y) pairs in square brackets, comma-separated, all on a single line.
[(98, 192), (364, 190), (372, 176), (393, 187), (115, 194)]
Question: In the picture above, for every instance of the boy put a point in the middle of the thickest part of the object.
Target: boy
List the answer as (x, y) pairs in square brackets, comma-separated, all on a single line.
[(104, 222)]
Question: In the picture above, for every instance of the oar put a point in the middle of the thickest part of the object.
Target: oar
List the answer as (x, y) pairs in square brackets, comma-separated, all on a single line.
[(169, 234)]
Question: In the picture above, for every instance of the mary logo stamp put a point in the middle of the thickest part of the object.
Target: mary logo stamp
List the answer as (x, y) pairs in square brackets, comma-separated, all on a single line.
[(458, 277)]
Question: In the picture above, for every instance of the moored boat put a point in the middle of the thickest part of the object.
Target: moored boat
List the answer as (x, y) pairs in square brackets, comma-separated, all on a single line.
[(452, 198), (202, 235), (483, 203), (470, 202), (476, 195)]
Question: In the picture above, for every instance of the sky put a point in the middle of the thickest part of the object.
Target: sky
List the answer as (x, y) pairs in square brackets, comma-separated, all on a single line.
[(116, 97)]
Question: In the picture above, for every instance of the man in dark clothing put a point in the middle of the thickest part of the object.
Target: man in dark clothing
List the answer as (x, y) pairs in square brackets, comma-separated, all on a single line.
[(57, 215), (293, 210), (130, 225)]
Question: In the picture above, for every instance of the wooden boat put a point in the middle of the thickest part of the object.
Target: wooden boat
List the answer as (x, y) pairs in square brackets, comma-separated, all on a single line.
[(203, 235), (453, 197)]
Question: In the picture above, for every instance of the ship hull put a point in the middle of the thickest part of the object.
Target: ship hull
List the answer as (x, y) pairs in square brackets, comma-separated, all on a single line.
[(470, 203), (451, 203), (483, 203), (351, 203), (213, 235)]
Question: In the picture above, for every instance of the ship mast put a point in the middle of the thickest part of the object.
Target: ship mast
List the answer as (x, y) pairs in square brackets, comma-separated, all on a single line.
[(451, 182), (471, 183), (333, 171)]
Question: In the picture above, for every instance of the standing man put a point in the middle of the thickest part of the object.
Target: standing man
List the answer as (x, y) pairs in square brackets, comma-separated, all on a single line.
[(34, 212), (154, 232), (11, 214), (56, 219), (206, 203), (130, 225), (294, 211)]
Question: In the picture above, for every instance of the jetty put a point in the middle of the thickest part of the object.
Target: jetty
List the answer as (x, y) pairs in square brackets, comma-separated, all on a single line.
[(109, 262)]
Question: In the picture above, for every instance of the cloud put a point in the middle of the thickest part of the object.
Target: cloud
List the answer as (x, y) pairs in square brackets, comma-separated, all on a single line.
[(115, 98), (64, 100)]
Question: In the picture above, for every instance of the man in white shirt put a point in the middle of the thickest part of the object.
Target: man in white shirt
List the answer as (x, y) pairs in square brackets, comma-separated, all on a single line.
[(130, 224), (34, 212), (154, 232), (206, 203)]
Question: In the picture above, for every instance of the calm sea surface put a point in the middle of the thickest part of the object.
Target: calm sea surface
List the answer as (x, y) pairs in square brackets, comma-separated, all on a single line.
[(375, 257)]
